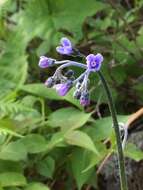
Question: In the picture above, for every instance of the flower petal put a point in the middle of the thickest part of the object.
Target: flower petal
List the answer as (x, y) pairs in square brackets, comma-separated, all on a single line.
[(66, 42), (60, 50), (94, 62), (90, 58), (61, 89), (98, 58)]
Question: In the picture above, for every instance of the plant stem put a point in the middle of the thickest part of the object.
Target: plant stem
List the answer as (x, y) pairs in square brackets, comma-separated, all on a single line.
[(123, 180)]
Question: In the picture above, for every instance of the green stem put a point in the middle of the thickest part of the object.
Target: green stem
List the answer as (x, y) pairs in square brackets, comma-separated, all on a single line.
[(123, 180)]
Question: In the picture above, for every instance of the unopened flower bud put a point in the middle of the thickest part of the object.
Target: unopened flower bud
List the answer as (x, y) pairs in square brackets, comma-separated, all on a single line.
[(69, 73), (50, 82), (84, 99), (77, 94), (45, 62), (63, 88)]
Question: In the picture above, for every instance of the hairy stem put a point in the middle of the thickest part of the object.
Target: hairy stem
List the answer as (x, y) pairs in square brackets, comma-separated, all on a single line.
[(123, 180)]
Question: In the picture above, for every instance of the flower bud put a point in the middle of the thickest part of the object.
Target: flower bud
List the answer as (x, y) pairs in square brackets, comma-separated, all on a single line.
[(63, 88), (50, 82), (84, 99), (77, 94), (45, 62), (69, 73)]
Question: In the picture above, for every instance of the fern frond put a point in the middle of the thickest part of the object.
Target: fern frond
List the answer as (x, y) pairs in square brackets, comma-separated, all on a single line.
[(8, 108)]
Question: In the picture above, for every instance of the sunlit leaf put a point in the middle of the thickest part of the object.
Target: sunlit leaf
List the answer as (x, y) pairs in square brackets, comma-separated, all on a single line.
[(12, 179), (68, 118), (81, 139), (14, 151)]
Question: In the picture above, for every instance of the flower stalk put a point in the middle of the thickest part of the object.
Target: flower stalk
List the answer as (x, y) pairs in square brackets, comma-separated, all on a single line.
[(123, 180), (62, 81)]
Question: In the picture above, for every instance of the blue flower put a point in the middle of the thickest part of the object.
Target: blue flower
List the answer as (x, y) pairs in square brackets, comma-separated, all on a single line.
[(94, 62), (63, 80), (65, 48), (63, 88), (45, 62)]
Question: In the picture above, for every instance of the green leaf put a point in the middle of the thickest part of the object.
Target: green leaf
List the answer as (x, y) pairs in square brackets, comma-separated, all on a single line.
[(133, 152), (46, 167), (94, 159), (41, 90), (80, 139), (57, 140), (68, 118), (55, 15), (12, 179), (79, 161), (36, 186), (34, 143), (14, 151), (10, 166), (8, 126), (13, 56), (49, 93), (102, 128)]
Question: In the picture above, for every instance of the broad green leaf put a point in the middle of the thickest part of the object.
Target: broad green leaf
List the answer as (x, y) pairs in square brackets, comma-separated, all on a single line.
[(12, 179), (41, 90), (37, 186), (80, 139), (10, 166), (46, 167), (34, 143), (132, 151), (94, 159), (49, 93), (57, 140), (79, 161), (102, 128), (55, 15), (68, 118), (14, 151)]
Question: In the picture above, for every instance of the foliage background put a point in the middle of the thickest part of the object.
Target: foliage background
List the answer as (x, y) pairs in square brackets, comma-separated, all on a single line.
[(49, 142)]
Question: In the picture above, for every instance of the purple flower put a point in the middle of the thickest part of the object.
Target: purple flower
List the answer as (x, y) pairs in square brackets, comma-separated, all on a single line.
[(63, 88), (94, 61), (45, 62), (65, 48), (84, 99)]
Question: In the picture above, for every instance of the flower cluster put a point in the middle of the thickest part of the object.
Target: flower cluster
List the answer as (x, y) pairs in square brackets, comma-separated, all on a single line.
[(62, 81)]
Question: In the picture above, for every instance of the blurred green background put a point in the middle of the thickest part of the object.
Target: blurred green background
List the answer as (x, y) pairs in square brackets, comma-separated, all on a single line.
[(37, 127)]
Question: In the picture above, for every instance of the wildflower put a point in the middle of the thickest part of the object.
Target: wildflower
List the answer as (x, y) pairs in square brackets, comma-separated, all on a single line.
[(45, 62), (94, 62), (65, 48), (84, 99), (63, 88), (62, 80)]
